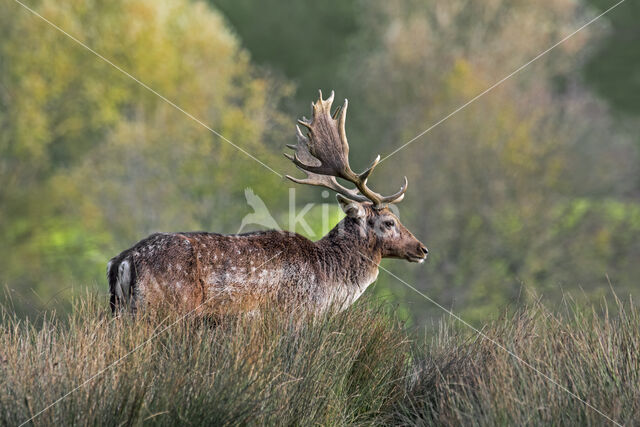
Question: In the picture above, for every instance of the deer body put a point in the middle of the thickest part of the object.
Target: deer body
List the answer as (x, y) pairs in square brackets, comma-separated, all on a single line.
[(223, 274), (226, 274)]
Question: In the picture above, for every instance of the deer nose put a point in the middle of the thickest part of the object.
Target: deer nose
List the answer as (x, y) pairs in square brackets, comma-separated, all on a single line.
[(423, 249)]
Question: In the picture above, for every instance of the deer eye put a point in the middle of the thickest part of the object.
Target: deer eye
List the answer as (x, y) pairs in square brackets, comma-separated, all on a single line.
[(389, 223)]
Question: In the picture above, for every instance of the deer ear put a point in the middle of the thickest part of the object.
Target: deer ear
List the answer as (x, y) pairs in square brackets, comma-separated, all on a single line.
[(349, 207)]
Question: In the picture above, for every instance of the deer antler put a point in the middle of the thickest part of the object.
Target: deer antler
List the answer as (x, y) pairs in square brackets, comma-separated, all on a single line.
[(323, 154)]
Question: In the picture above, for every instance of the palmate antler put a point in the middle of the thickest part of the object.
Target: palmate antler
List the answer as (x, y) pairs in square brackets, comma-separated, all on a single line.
[(323, 154)]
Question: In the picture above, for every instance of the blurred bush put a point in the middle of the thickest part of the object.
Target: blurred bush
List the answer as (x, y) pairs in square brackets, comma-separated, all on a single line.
[(533, 187), (612, 70), (493, 185), (91, 162)]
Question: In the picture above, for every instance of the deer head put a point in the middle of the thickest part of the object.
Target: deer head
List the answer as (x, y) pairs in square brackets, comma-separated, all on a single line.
[(323, 154)]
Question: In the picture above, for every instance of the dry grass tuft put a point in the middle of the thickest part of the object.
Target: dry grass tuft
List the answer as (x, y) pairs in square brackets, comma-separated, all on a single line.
[(356, 367)]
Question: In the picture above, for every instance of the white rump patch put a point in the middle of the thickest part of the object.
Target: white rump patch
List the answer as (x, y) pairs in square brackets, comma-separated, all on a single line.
[(124, 280)]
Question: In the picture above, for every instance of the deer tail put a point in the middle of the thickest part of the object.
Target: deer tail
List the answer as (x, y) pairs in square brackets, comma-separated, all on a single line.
[(121, 277)]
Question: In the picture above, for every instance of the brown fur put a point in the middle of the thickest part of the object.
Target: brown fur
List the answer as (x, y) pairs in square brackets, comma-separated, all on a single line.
[(218, 274), (226, 274)]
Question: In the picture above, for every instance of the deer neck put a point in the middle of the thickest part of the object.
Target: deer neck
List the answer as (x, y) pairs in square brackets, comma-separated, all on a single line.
[(350, 257)]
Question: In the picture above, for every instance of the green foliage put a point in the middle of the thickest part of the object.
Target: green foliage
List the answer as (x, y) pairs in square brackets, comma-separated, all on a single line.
[(532, 187), (487, 184), (91, 161), (305, 40), (356, 367), (614, 68)]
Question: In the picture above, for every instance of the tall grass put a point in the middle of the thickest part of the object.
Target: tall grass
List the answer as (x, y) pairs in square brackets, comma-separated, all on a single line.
[(356, 367)]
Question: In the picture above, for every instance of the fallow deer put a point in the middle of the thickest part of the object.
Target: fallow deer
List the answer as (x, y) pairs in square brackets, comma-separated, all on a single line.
[(226, 274)]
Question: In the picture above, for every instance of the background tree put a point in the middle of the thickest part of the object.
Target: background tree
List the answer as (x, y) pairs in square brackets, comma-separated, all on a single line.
[(91, 162), (531, 189), (494, 184), (305, 40), (614, 68)]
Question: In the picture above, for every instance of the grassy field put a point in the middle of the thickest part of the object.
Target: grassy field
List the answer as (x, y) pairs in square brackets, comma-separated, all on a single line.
[(357, 367)]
